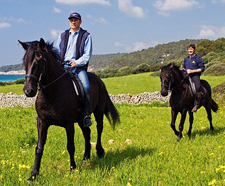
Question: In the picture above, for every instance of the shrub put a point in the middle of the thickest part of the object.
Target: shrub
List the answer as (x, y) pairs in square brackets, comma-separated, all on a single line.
[(141, 68)]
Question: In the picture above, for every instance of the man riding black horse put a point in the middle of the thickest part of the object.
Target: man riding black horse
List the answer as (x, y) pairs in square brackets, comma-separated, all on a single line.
[(194, 66), (75, 46)]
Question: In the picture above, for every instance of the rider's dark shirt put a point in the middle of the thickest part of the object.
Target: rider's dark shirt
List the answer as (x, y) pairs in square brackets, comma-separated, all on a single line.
[(194, 62)]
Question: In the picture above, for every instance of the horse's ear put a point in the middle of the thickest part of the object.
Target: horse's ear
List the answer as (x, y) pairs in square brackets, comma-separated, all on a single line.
[(171, 66), (24, 45), (42, 43)]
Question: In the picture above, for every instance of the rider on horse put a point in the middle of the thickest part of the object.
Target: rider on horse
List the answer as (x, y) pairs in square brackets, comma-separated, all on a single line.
[(75, 46), (194, 66)]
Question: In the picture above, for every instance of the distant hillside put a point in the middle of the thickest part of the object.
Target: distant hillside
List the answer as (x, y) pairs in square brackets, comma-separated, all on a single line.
[(8, 68), (150, 56)]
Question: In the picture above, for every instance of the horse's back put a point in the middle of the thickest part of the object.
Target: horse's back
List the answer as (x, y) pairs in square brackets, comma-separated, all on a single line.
[(206, 85)]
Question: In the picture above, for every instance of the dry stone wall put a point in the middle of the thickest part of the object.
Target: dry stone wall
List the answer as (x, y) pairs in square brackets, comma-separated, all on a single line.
[(11, 100)]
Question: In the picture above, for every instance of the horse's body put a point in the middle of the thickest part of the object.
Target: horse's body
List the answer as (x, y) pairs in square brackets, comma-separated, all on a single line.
[(57, 103), (181, 99)]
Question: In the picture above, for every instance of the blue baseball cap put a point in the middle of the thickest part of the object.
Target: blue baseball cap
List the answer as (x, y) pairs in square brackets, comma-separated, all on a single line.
[(75, 15)]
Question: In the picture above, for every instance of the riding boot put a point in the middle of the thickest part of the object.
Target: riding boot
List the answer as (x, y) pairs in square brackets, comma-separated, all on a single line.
[(87, 109), (197, 101)]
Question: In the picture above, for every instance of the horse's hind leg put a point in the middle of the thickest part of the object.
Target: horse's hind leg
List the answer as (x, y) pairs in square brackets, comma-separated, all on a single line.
[(174, 117), (209, 114), (191, 119), (42, 136), (87, 137), (70, 144), (99, 120)]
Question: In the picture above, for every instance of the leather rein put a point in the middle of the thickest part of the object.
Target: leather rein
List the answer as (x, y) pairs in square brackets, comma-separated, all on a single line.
[(38, 80)]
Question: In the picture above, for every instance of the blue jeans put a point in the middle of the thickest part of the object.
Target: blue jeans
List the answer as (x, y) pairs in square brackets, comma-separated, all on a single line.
[(82, 76)]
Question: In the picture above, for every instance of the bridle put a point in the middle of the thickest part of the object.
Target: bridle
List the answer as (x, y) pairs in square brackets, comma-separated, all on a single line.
[(170, 82), (43, 70)]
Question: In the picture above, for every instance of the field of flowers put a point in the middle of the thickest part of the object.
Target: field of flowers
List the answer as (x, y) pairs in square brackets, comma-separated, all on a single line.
[(144, 151)]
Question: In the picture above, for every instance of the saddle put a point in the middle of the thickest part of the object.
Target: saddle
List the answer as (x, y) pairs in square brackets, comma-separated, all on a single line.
[(193, 89), (79, 90), (192, 85)]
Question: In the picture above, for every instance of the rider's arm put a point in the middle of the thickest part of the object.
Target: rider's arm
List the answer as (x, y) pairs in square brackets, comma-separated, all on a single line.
[(83, 60)]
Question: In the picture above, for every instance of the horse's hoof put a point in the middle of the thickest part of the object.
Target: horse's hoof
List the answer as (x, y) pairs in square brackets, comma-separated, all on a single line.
[(189, 135), (32, 178), (179, 138), (101, 153), (86, 158), (72, 168), (212, 128)]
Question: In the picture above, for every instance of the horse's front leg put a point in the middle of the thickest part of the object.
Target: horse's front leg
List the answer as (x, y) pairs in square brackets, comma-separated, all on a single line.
[(87, 136), (70, 144), (42, 136), (173, 121), (181, 126), (191, 119)]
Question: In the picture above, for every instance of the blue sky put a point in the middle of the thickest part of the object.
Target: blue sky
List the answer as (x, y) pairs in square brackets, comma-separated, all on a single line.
[(115, 25)]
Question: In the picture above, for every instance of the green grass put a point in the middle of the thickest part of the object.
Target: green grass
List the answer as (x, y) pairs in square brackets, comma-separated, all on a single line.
[(139, 83), (17, 89), (153, 158), (132, 84)]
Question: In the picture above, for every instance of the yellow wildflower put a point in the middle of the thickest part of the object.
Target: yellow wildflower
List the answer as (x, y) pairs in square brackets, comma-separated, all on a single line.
[(213, 182)]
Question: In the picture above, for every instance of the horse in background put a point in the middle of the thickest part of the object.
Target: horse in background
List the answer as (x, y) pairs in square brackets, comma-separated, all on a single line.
[(57, 102), (182, 100)]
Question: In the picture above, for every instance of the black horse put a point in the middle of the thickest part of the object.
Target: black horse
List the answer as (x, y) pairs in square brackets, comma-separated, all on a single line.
[(181, 100), (57, 103)]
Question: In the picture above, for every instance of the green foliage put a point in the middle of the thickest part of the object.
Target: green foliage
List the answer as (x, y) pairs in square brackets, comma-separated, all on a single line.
[(215, 70), (141, 69)]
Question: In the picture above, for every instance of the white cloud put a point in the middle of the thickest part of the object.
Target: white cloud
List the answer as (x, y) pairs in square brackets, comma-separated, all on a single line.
[(12, 19), (56, 10), (173, 5), (128, 8), (211, 32), (216, 1), (55, 33), (76, 2), (134, 47), (101, 20), (140, 46), (4, 25)]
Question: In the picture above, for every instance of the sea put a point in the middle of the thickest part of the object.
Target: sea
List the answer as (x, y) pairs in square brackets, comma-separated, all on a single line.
[(7, 78)]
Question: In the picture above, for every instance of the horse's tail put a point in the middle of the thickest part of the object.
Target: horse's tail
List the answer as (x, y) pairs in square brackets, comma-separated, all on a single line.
[(214, 106), (111, 112)]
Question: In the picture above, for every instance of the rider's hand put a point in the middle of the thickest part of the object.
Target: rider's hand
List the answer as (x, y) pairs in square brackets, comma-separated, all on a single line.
[(73, 63), (189, 71)]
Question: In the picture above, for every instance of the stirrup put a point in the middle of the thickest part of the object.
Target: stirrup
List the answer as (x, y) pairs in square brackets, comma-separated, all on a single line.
[(87, 121)]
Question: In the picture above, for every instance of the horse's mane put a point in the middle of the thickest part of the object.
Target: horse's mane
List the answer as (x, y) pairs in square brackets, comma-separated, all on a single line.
[(176, 67), (33, 47)]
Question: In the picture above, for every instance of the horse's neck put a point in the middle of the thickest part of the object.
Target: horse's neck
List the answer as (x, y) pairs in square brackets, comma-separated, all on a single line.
[(177, 77), (54, 76)]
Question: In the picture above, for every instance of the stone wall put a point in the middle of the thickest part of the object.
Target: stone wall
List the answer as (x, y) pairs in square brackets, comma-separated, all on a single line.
[(11, 100)]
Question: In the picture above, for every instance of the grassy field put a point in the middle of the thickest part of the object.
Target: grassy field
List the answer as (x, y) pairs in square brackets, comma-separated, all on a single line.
[(132, 84), (153, 158)]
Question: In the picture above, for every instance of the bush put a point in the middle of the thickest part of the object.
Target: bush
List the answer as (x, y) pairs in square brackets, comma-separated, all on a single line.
[(124, 71), (141, 68), (215, 70)]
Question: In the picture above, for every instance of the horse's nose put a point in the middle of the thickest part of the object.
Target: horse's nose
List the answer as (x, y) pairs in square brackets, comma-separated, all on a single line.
[(164, 93), (29, 92)]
